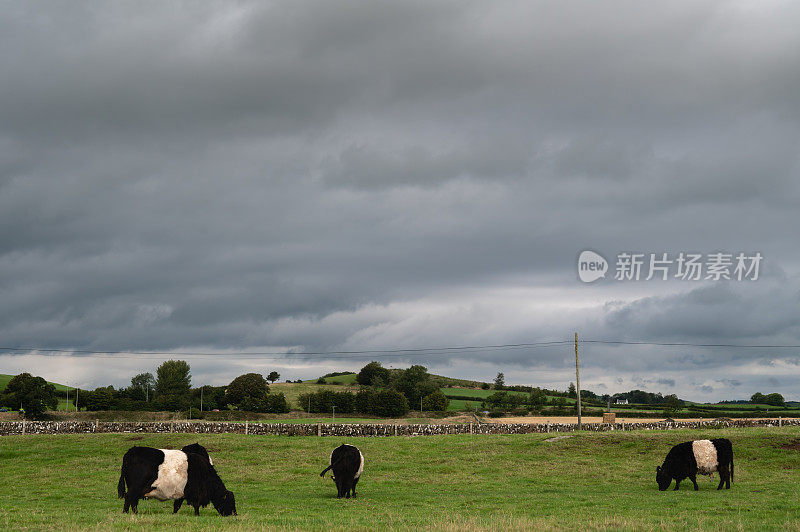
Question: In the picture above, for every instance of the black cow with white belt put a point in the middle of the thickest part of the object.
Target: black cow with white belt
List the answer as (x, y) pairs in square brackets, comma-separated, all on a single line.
[(688, 459), (167, 474), (347, 464)]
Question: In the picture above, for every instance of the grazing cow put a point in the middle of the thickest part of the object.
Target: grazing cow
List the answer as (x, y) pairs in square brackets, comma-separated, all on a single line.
[(347, 463), (167, 474), (699, 456)]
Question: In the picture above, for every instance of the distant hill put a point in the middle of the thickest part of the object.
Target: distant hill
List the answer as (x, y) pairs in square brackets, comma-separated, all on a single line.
[(5, 378)]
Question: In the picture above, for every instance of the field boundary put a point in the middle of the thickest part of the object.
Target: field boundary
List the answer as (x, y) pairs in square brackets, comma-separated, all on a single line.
[(11, 428)]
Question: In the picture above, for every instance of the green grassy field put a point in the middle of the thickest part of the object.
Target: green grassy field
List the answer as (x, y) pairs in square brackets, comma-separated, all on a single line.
[(588, 481)]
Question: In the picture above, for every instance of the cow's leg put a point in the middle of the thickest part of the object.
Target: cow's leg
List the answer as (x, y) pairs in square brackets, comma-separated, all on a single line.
[(196, 508), (724, 475), (131, 501), (177, 505), (354, 487), (728, 477), (694, 481), (677, 484)]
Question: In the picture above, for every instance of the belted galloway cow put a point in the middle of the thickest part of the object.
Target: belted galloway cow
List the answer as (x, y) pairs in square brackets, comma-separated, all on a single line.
[(167, 474), (704, 457), (347, 463)]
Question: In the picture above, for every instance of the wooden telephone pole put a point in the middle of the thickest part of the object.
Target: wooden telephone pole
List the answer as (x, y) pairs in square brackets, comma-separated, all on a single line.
[(578, 381)]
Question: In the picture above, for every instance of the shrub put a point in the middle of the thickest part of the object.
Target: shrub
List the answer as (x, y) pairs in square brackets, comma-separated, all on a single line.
[(249, 389), (194, 413), (436, 401), (365, 401), (373, 374), (390, 403), (276, 403), (324, 401)]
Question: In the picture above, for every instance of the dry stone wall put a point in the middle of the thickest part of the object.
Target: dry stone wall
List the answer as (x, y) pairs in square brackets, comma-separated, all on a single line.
[(358, 430)]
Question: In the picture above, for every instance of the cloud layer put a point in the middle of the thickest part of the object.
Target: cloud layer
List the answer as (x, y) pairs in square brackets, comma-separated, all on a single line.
[(317, 176)]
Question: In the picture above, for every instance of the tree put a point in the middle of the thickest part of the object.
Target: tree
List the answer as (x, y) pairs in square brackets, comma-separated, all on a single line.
[(246, 390), (500, 381), (415, 383), (757, 398), (145, 382), (435, 402), (173, 385), (34, 394), (373, 374), (273, 376), (774, 399), (173, 378), (571, 391), (672, 405), (100, 399), (538, 397)]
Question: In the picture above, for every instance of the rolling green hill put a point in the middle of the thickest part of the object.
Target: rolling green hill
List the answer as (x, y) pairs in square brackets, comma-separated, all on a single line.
[(4, 379)]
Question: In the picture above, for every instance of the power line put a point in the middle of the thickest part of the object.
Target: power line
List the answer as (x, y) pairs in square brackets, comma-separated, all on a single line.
[(688, 344), (367, 353), (279, 355)]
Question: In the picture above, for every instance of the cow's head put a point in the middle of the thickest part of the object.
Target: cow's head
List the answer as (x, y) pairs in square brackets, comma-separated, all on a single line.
[(663, 478), (225, 504)]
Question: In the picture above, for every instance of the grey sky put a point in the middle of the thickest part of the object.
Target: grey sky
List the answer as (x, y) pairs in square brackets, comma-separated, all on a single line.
[(365, 175)]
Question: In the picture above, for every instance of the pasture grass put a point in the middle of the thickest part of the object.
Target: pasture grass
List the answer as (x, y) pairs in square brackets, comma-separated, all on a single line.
[(594, 481)]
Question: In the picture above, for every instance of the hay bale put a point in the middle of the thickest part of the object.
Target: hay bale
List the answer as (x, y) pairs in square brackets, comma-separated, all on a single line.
[(609, 417)]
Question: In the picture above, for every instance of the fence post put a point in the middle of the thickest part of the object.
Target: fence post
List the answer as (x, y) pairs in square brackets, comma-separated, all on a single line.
[(548, 426), (246, 427), (319, 428), (395, 429), (23, 426), (780, 421), (470, 428), (96, 424)]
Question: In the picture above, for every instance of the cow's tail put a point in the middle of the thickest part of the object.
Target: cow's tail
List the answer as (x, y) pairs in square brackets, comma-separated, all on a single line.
[(731, 467), (121, 484), (330, 466)]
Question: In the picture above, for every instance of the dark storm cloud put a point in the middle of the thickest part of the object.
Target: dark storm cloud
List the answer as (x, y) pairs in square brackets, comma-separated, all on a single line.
[(360, 175)]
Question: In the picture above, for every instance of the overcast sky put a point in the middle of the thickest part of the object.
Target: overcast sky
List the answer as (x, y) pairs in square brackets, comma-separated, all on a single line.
[(326, 176)]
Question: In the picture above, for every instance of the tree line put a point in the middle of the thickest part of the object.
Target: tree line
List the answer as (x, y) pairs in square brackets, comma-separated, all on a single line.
[(170, 389)]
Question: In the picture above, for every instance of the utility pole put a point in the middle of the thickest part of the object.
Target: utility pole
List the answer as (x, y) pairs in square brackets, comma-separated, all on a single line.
[(77, 408), (578, 380), (334, 414), (201, 398)]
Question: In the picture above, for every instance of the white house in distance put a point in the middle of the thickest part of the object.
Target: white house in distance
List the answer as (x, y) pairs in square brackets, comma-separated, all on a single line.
[(621, 402)]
